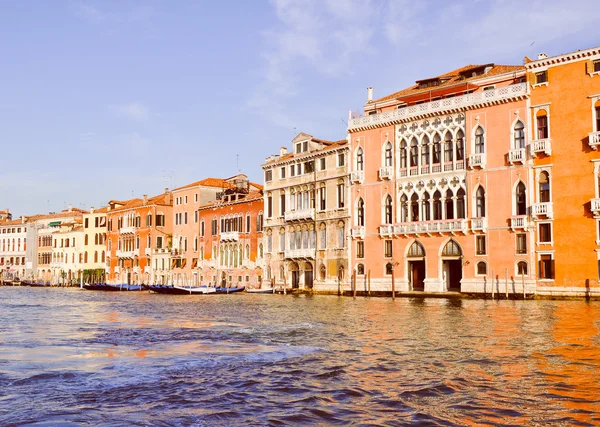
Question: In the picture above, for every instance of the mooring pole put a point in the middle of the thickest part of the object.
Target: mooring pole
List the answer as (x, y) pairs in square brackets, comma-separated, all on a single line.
[(506, 282), (493, 280), (523, 281), (354, 283), (369, 282), (393, 285)]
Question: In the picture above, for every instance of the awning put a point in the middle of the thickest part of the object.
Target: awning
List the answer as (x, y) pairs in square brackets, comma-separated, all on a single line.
[(54, 223)]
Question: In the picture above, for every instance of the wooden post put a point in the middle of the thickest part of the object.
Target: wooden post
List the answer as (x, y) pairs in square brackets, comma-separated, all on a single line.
[(493, 284), (393, 284), (523, 281), (354, 283), (369, 282), (506, 282)]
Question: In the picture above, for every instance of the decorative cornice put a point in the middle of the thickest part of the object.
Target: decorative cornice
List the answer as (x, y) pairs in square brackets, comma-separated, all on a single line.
[(563, 59), (457, 104)]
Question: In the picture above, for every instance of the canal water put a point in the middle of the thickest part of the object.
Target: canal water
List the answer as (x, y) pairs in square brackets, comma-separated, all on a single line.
[(70, 357)]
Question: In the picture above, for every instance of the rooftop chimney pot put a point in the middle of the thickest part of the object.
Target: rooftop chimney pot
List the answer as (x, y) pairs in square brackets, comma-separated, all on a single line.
[(369, 94)]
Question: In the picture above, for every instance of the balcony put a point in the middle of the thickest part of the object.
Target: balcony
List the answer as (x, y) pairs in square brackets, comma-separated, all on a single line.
[(357, 176), (441, 106), (477, 160), (516, 156), (540, 146), (176, 253), (148, 251), (479, 224), (357, 232), (230, 236), (300, 253), (386, 230), (442, 226), (127, 230), (386, 172), (595, 207), (159, 251), (539, 210), (136, 270), (594, 140), (126, 254), (147, 270), (300, 214), (518, 222)]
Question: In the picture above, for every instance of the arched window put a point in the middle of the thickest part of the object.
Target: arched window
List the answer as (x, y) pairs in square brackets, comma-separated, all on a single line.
[(480, 202), (416, 250), (403, 154), (388, 268), (281, 272), (85, 240), (426, 207), (323, 272), (414, 153), (452, 249), (544, 182), (522, 268), (519, 135), (461, 212), (341, 273), (360, 269), (479, 141), (103, 256), (359, 159), (425, 151), (460, 145), (388, 210), (542, 124), (388, 154), (85, 257), (437, 149), (403, 208), (449, 205), (96, 256), (414, 207), (448, 148), (437, 205), (360, 212), (597, 107), (520, 199), (481, 268)]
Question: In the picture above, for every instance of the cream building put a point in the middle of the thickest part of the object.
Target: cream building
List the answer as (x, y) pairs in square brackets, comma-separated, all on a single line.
[(306, 215), (94, 245), (13, 245), (68, 253)]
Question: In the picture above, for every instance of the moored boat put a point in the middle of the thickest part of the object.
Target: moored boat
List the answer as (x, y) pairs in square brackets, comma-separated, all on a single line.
[(260, 290), (112, 288)]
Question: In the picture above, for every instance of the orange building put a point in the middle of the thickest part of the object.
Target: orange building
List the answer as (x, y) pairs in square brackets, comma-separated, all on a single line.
[(186, 223), (230, 236), (565, 135), (440, 178), (135, 229)]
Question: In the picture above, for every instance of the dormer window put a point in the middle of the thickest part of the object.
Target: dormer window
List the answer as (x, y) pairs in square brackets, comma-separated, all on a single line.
[(428, 83), (298, 148)]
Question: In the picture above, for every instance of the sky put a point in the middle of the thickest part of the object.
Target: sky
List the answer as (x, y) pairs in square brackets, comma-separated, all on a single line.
[(103, 100)]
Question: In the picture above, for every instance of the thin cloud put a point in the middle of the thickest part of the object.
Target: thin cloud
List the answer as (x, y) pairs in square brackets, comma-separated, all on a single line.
[(132, 111)]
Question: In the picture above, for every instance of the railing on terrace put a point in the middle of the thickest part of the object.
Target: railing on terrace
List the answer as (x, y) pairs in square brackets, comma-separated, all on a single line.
[(428, 227), (477, 160), (595, 206), (300, 253), (438, 106), (230, 236), (479, 224), (357, 176), (543, 209), (300, 214), (516, 156), (594, 140), (540, 146), (386, 172), (518, 222), (357, 232)]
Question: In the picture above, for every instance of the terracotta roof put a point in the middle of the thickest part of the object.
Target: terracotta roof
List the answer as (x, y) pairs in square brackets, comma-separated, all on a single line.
[(452, 78), (62, 214), (161, 199), (12, 222), (207, 182), (103, 209)]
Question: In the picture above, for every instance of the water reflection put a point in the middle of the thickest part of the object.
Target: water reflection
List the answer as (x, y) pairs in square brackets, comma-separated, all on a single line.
[(145, 359)]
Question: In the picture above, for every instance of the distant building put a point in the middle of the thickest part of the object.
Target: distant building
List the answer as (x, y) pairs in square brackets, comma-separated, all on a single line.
[(137, 229), (67, 253), (5, 215), (13, 246), (230, 247), (94, 245), (306, 215)]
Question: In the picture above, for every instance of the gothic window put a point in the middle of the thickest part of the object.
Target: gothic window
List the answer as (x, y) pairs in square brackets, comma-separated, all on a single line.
[(460, 204), (360, 212), (403, 154), (479, 141), (404, 208), (452, 249), (449, 205), (542, 124), (519, 135), (360, 269), (426, 207), (437, 149), (437, 206), (522, 268), (388, 268), (481, 268), (359, 159), (425, 151), (388, 210), (388, 154), (414, 207), (520, 200), (416, 250), (414, 152), (480, 202), (460, 145), (448, 148), (544, 183)]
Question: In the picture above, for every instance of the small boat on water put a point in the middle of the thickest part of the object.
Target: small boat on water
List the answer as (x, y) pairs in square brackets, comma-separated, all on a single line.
[(193, 290), (112, 288), (261, 291)]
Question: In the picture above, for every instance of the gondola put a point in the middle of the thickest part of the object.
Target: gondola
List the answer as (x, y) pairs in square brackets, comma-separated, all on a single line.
[(112, 288), (194, 290)]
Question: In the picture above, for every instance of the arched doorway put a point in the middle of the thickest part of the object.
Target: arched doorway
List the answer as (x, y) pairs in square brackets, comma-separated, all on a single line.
[(295, 275), (223, 279), (416, 267), (308, 275), (452, 266)]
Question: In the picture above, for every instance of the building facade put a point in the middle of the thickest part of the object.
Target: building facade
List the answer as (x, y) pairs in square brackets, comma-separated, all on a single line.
[(306, 215), (67, 253), (440, 177), (564, 112), (230, 247), (13, 247), (94, 245), (135, 229), (186, 223)]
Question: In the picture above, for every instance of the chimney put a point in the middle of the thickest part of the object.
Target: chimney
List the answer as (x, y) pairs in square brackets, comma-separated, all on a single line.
[(542, 56), (369, 94), (167, 196), (22, 220), (282, 151), (145, 199), (92, 210), (70, 208)]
